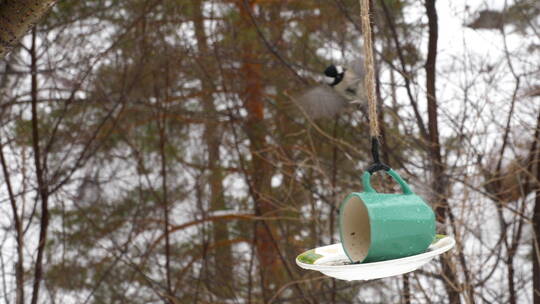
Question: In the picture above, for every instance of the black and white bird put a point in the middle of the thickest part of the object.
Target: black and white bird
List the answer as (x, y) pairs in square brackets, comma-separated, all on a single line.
[(344, 86)]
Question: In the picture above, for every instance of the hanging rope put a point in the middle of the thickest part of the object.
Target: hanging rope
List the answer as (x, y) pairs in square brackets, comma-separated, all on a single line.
[(369, 88), (369, 79)]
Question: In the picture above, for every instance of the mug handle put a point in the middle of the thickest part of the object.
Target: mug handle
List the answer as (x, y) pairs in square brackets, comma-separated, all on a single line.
[(366, 181)]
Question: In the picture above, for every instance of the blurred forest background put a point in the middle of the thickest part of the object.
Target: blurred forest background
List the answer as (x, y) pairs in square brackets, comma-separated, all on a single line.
[(151, 151)]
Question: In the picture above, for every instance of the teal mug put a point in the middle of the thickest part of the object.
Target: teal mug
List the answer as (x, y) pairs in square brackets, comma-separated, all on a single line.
[(381, 226)]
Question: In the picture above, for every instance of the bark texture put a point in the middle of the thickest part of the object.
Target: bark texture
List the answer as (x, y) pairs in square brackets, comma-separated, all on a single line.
[(17, 17)]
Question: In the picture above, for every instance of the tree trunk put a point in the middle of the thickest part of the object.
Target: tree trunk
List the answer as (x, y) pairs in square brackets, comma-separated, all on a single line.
[(261, 169), (536, 240), (260, 173), (439, 184), (161, 124), (17, 17), (536, 223), (43, 191), (19, 266), (212, 137)]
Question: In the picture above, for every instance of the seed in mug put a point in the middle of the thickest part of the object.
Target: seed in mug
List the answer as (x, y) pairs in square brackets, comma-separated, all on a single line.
[(353, 233)]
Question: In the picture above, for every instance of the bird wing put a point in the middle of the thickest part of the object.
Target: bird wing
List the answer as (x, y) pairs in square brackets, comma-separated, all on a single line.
[(320, 102), (357, 67)]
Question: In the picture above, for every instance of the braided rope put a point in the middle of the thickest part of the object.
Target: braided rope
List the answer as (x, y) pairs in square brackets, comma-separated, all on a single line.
[(369, 79)]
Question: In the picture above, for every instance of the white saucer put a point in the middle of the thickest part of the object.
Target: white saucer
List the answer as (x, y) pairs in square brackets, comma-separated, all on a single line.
[(332, 261)]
